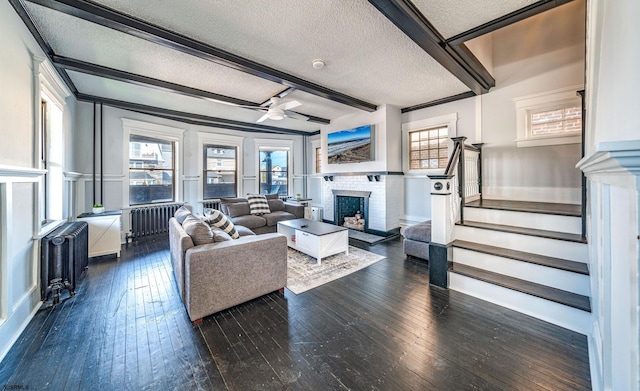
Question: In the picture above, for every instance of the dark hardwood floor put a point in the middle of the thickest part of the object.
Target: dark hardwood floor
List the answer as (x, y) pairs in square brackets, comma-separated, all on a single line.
[(380, 328)]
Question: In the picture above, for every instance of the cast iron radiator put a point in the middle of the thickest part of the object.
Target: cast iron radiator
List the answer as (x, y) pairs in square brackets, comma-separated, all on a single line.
[(64, 257), (211, 204), (151, 220)]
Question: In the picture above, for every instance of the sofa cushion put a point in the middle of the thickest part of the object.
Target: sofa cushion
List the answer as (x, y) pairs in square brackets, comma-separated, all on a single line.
[(238, 209), (181, 214), (244, 231), (276, 205), (273, 217), (221, 236), (250, 221), (258, 204), (218, 219), (199, 231), (420, 232), (273, 196), (225, 201)]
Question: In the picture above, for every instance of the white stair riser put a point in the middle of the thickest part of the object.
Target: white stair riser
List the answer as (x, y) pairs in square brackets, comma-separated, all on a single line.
[(531, 244), (560, 279), (568, 224), (549, 311)]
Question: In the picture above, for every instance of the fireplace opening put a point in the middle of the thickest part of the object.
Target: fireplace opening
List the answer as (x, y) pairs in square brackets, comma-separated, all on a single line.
[(350, 212), (351, 209)]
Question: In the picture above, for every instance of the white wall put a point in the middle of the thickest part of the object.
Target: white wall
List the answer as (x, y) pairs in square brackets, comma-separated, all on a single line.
[(539, 54), (612, 166), (20, 176), (417, 188), (115, 177), (387, 204)]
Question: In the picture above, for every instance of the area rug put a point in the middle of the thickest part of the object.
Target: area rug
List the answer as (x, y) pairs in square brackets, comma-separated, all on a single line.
[(304, 273)]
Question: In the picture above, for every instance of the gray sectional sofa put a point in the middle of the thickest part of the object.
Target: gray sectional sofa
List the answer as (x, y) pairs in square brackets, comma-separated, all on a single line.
[(237, 209), (225, 272)]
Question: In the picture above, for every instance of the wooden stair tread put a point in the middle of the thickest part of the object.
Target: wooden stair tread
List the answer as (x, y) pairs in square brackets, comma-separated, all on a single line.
[(526, 231), (556, 263), (528, 206), (545, 292)]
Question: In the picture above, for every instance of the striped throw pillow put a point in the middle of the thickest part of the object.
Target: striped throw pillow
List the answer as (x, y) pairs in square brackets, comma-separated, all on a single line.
[(218, 219), (258, 204)]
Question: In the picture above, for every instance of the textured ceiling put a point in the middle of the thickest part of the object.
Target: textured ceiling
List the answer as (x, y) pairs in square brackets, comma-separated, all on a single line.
[(454, 17), (82, 40), (113, 89), (367, 57)]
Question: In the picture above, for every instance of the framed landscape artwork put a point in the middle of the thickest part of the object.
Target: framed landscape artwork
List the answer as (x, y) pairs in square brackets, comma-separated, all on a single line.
[(353, 145)]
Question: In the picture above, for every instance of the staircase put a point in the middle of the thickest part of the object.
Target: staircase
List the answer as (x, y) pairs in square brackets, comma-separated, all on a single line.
[(530, 257)]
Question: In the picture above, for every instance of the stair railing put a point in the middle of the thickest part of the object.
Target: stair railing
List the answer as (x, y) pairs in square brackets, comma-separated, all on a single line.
[(460, 183), (465, 165)]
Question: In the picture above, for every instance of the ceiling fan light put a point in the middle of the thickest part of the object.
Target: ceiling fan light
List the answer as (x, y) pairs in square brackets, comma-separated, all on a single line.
[(276, 114)]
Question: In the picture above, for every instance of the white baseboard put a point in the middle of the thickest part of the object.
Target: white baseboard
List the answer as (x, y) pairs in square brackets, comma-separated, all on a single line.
[(15, 335), (562, 195), (594, 341)]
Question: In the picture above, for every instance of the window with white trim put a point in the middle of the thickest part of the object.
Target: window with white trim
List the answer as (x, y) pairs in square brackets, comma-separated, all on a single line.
[(151, 162), (426, 144), (274, 166), (49, 137), (151, 170), (428, 148), (549, 118), (220, 171)]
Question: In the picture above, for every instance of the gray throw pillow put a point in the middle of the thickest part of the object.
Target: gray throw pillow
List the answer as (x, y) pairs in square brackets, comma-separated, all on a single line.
[(182, 214), (219, 235), (199, 231), (276, 205), (274, 196), (238, 209)]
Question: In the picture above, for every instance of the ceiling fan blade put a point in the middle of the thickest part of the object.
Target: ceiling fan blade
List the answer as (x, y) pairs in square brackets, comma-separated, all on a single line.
[(264, 117), (289, 105), (294, 115)]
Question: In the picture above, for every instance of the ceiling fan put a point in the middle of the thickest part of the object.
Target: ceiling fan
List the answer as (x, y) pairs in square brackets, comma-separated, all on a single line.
[(279, 110)]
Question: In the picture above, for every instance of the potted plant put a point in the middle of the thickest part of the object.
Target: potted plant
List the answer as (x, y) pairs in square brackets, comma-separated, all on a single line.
[(98, 208)]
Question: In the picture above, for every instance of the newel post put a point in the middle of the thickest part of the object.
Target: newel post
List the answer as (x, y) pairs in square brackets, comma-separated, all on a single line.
[(441, 229)]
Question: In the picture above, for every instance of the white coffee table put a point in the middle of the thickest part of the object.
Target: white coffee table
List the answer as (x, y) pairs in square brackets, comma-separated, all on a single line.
[(315, 238)]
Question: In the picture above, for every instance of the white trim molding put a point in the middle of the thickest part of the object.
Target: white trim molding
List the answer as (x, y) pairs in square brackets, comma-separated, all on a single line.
[(541, 101), (163, 132), (219, 139), (448, 120), (273, 144), (614, 157)]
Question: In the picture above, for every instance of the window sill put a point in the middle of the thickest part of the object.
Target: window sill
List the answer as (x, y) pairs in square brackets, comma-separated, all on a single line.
[(48, 228), (424, 173), (553, 140)]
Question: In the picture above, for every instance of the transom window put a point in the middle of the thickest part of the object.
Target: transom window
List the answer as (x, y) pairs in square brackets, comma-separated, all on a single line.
[(428, 148), (151, 170), (563, 119), (220, 171)]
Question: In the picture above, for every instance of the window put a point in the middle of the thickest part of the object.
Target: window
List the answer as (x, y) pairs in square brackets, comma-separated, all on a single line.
[(549, 118), (151, 170), (426, 144), (559, 120), (274, 171), (318, 160), (220, 171), (428, 148), (51, 155)]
